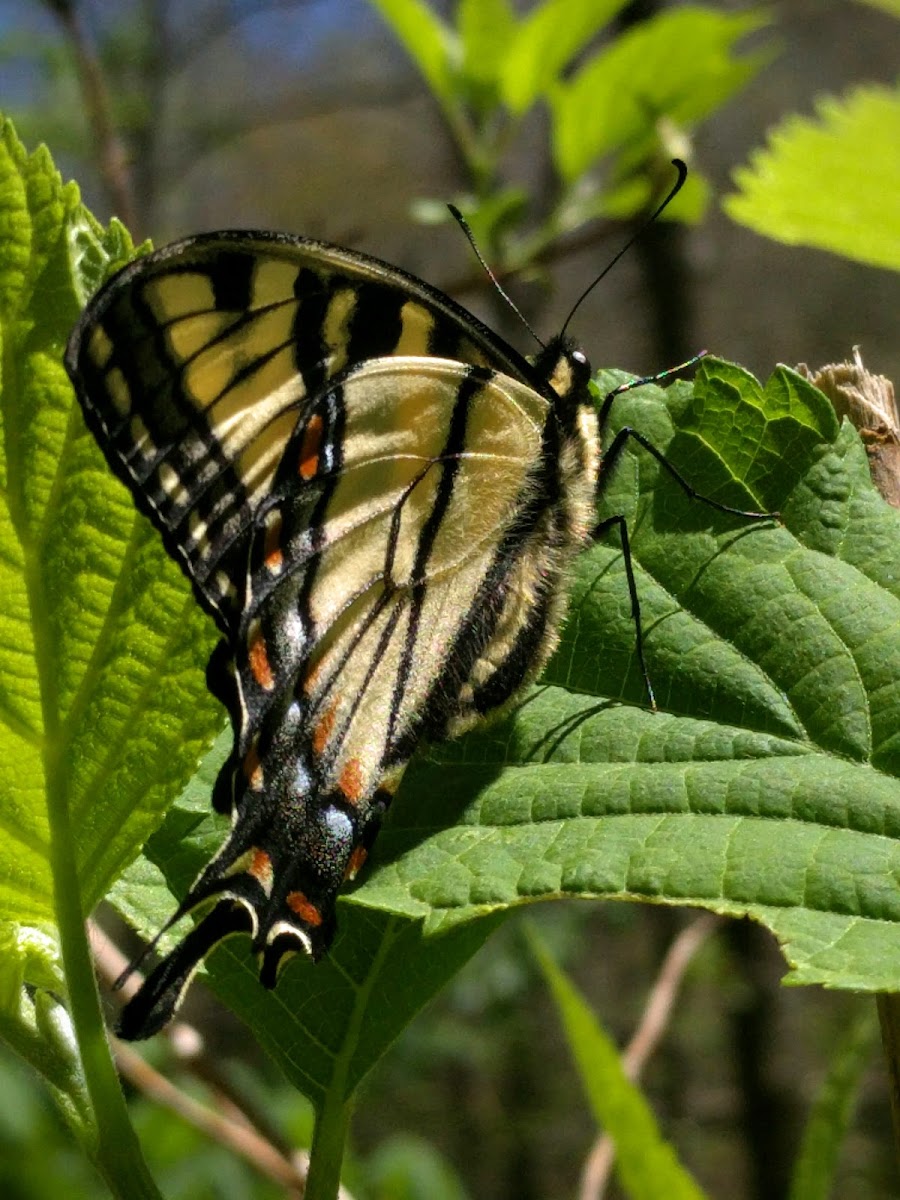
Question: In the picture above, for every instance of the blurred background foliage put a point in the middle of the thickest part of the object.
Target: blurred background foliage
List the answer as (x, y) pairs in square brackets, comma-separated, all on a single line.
[(312, 117)]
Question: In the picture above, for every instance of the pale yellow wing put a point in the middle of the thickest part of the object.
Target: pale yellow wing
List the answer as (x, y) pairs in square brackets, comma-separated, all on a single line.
[(397, 550)]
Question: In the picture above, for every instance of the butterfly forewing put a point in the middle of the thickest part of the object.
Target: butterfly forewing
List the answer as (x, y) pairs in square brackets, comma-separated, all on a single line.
[(195, 364)]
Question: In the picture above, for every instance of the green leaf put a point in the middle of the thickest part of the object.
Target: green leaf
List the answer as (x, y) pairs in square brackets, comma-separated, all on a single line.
[(91, 609), (826, 1129), (90, 613), (36, 310), (546, 41), (327, 1024), (679, 65), (829, 182), (647, 1165), (102, 700), (486, 29), (432, 45), (768, 784)]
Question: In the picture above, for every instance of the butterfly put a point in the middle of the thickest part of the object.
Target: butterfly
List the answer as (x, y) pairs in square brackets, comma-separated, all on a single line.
[(378, 501)]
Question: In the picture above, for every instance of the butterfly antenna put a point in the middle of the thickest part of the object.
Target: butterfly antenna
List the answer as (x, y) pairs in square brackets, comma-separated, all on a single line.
[(676, 188), (464, 226)]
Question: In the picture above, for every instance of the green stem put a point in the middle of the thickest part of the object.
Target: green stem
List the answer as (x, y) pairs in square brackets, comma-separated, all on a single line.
[(101, 1122), (333, 1117), (327, 1152), (104, 1127), (112, 1143)]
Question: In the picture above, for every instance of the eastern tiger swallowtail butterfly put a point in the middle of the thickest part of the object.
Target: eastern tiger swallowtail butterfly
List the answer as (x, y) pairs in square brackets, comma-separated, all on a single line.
[(378, 501)]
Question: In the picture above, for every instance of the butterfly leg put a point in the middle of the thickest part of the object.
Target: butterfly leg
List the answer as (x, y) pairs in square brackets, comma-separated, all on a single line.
[(610, 458), (621, 524), (612, 455)]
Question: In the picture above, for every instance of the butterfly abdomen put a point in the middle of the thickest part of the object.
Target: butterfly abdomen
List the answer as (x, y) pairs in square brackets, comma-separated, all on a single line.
[(523, 598)]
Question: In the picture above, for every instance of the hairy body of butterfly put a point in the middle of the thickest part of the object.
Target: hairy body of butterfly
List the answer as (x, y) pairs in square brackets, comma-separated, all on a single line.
[(375, 497)]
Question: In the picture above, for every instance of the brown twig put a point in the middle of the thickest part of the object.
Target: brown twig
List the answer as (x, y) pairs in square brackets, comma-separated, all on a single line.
[(235, 1135), (111, 152), (653, 1024), (869, 402)]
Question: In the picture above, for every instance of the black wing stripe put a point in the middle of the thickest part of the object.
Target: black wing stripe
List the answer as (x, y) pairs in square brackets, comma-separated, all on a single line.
[(313, 300), (474, 632), (231, 276), (376, 325), (338, 741)]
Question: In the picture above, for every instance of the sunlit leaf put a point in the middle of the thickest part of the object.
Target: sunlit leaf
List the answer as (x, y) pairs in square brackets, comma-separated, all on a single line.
[(617, 98), (546, 42), (830, 182), (646, 1164), (103, 712)]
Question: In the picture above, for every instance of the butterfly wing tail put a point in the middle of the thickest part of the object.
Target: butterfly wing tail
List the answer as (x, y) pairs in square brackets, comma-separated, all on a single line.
[(157, 999)]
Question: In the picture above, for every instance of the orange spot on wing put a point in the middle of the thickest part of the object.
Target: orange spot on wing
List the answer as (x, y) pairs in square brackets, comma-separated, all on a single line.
[(252, 768), (308, 461), (357, 858), (351, 781), (261, 868), (309, 679), (274, 556), (260, 666), (323, 730), (304, 908)]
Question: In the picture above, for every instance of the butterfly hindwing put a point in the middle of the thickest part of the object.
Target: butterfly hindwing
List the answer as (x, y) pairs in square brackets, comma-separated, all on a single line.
[(378, 561), (381, 598), (377, 499)]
